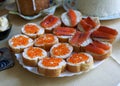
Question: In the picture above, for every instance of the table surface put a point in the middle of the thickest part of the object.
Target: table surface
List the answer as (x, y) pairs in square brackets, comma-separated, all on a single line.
[(107, 74)]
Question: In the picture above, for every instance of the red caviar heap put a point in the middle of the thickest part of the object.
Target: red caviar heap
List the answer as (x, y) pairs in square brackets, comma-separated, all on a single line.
[(20, 40), (31, 29), (46, 39), (51, 62), (77, 57), (61, 50), (33, 52)]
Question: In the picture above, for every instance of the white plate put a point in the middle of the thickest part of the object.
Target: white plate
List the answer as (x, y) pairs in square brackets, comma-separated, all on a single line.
[(64, 74), (71, 4)]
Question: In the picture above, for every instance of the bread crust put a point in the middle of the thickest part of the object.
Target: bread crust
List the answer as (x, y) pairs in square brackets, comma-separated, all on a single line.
[(81, 66), (30, 62)]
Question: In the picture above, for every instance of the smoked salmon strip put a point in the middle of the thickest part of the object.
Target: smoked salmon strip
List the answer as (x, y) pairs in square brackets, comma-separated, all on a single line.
[(101, 45), (72, 16), (91, 22), (79, 38), (85, 25), (107, 30), (75, 38), (100, 34), (94, 49), (83, 37), (64, 31), (49, 21)]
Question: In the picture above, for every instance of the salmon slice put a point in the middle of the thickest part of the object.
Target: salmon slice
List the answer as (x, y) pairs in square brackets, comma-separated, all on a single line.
[(64, 31), (108, 30), (91, 22), (49, 21), (100, 34), (75, 38), (83, 37), (101, 45), (94, 49), (85, 25), (72, 16)]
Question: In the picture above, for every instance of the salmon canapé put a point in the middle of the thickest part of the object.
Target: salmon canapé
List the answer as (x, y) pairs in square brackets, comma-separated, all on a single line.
[(104, 34), (50, 22), (89, 24), (99, 50), (71, 18)]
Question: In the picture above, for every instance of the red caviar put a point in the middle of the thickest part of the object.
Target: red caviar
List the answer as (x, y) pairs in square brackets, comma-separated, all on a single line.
[(33, 52), (31, 29), (46, 39), (20, 40), (76, 58), (61, 49), (51, 62)]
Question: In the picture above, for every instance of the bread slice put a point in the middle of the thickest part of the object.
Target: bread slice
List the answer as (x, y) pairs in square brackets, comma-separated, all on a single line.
[(46, 41), (61, 50), (50, 22), (19, 42), (32, 55), (51, 67), (32, 30), (67, 21), (79, 62)]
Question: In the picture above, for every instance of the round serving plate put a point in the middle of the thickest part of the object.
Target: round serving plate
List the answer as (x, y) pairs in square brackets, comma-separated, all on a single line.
[(64, 74)]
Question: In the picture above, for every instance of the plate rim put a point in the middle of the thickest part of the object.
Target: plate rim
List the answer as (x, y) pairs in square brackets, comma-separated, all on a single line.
[(110, 17), (69, 74)]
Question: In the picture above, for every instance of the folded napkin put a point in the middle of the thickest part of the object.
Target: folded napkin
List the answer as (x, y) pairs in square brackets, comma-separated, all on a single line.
[(6, 60)]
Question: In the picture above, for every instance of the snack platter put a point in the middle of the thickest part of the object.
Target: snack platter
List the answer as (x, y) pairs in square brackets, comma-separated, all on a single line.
[(64, 74), (66, 46)]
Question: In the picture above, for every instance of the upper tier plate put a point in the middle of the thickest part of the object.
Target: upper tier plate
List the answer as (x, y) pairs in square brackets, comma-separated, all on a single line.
[(70, 4), (13, 10)]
